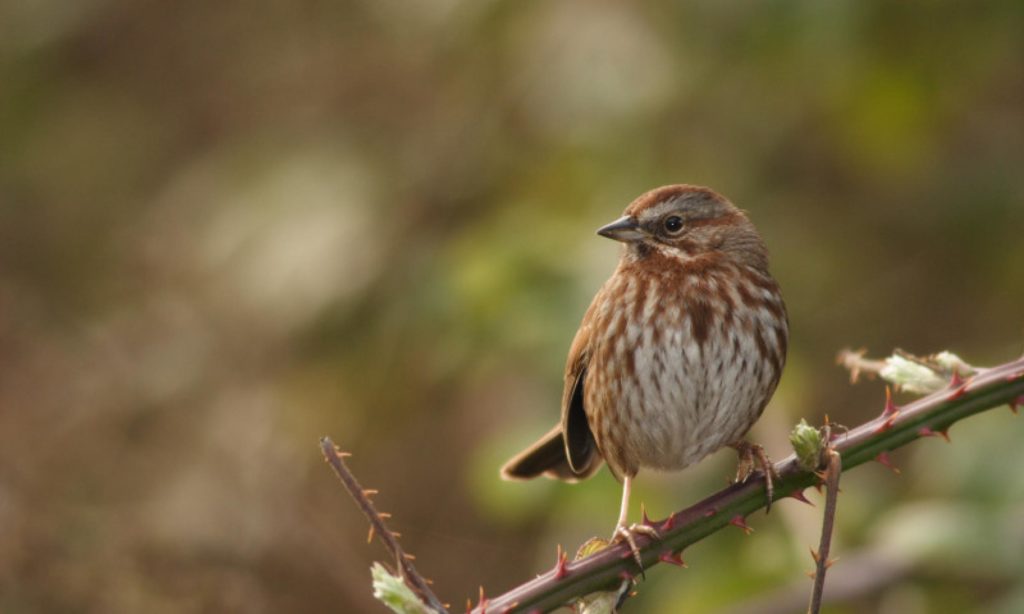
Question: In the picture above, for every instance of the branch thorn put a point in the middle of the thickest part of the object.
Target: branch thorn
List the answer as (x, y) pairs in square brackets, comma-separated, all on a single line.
[(890, 407), (643, 515), (741, 522), (560, 564), (799, 495), (956, 381), (883, 458), (672, 558), (925, 431)]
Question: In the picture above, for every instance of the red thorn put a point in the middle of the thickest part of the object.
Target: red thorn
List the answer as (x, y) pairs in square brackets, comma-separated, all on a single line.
[(924, 431), (799, 495), (482, 604), (890, 412), (672, 558), (956, 381), (1016, 402), (668, 525), (958, 385), (645, 518), (815, 555), (890, 407), (885, 426), (741, 522), (560, 564), (883, 458)]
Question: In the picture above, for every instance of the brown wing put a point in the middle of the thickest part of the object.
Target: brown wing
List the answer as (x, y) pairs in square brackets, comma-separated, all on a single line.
[(580, 449)]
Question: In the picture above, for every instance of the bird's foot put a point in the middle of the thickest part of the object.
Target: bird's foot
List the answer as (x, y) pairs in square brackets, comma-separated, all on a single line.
[(626, 534), (753, 456)]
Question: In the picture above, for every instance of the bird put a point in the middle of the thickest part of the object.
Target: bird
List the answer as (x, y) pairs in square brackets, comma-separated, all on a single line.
[(677, 355)]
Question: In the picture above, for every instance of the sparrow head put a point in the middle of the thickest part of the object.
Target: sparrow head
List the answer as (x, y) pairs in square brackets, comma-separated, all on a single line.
[(686, 221)]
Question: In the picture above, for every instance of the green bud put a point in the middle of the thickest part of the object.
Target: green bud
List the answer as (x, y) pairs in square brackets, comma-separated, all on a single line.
[(911, 376), (808, 444), (390, 590), (601, 602), (953, 363), (592, 545)]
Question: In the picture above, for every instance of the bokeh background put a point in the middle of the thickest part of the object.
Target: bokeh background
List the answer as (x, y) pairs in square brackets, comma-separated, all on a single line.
[(228, 229)]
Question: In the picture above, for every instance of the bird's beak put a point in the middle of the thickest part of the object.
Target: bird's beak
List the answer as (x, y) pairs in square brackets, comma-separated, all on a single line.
[(625, 229)]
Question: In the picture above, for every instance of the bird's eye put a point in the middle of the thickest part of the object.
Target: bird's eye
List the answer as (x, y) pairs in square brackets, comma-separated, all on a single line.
[(673, 224)]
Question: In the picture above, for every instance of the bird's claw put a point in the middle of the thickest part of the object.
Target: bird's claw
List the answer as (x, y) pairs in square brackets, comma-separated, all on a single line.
[(753, 456), (626, 534)]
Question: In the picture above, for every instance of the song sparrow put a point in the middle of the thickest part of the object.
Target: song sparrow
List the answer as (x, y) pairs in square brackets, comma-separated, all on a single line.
[(679, 352)]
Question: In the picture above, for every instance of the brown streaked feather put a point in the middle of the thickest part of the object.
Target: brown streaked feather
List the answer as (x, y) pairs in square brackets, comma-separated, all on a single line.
[(580, 449), (680, 350)]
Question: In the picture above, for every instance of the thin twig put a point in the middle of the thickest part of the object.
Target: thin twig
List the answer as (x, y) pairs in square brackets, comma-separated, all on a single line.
[(378, 527), (821, 560), (854, 362)]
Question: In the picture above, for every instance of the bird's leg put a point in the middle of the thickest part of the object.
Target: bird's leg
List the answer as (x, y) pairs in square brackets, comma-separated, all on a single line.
[(624, 533), (753, 456), (627, 486)]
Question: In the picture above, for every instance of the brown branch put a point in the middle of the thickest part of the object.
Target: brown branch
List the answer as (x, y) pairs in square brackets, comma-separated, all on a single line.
[(896, 427), (607, 569), (378, 527), (821, 557)]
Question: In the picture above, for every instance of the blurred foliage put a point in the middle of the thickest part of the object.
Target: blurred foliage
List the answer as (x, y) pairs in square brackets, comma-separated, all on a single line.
[(226, 230)]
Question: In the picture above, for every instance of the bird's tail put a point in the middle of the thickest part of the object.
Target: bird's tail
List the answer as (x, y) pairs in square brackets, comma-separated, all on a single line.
[(547, 457)]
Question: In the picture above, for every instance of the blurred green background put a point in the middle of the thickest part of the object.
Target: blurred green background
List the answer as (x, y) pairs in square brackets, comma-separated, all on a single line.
[(228, 229)]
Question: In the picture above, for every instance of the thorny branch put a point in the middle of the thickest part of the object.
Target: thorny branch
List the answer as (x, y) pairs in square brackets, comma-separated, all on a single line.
[(389, 538), (608, 568), (833, 469)]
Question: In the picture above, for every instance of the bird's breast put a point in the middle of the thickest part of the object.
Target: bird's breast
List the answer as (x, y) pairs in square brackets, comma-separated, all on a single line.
[(680, 369)]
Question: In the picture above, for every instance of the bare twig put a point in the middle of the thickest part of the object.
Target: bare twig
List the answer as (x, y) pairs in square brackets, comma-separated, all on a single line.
[(377, 525), (854, 362), (821, 558)]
